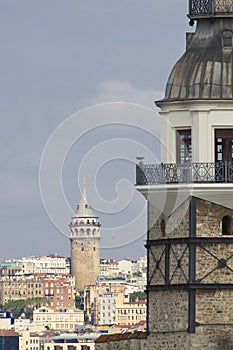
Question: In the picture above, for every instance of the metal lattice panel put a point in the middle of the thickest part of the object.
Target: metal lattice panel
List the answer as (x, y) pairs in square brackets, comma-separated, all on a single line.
[(172, 265), (230, 172), (219, 264), (204, 7), (199, 7), (157, 272), (179, 267), (223, 6), (150, 174)]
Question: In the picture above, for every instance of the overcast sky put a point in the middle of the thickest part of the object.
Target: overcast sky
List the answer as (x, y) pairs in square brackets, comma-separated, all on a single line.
[(58, 57)]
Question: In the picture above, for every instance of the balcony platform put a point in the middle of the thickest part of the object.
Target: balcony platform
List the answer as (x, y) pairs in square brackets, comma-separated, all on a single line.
[(173, 184)]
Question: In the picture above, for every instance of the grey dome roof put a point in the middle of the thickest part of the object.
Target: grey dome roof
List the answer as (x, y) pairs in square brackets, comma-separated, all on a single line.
[(205, 71)]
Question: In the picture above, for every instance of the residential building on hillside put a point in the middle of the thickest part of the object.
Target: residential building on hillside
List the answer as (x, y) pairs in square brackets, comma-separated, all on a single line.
[(72, 342), (38, 286), (109, 268), (127, 267), (10, 268), (21, 287), (59, 292), (139, 282), (22, 324), (50, 264), (129, 313), (142, 264), (106, 308), (6, 319), (62, 319), (111, 285), (29, 341)]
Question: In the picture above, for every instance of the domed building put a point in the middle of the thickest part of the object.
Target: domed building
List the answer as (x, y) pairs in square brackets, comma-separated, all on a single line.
[(190, 194)]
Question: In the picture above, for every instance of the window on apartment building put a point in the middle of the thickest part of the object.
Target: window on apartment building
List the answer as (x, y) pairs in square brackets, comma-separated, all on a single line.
[(184, 146), (85, 347)]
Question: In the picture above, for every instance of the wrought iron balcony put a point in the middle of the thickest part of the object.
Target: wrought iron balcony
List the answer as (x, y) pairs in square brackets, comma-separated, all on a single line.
[(210, 7), (165, 173)]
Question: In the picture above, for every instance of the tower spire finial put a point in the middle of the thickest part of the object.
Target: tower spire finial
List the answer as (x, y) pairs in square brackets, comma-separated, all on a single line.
[(84, 187)]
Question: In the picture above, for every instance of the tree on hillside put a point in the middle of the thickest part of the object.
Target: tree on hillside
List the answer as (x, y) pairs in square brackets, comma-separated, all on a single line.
[(23, 306), (137, 274), (140, 295)]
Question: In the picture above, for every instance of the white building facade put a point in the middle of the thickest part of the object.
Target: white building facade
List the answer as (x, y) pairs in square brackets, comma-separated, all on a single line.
[(63, 319)]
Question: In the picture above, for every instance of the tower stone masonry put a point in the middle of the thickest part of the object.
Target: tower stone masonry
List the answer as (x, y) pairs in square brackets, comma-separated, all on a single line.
[(85, 244), (190, 194)]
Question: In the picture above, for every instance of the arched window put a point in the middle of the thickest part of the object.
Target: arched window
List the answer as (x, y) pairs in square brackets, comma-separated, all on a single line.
[(227, 225), (93, 232), (88, 231), (81, 231), (163, 227), (227, 39)]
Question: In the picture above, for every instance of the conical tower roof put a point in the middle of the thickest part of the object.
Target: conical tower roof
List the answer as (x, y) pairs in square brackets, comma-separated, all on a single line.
[(83, 209)]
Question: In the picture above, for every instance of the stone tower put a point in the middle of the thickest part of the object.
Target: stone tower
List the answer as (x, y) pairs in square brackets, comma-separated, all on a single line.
[(85, 244), (190, 194)]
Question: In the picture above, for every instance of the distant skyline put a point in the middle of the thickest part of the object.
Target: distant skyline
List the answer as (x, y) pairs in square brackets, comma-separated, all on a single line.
[(58, 58)]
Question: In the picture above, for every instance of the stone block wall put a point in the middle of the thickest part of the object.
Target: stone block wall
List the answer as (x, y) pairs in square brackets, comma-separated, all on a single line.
[(85, 256), (168, 309), (209, 218), (175, 225), (169, 341)]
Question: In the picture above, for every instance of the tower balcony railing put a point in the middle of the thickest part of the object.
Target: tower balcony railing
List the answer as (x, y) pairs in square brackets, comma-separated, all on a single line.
[(171, 173), (210, 7)]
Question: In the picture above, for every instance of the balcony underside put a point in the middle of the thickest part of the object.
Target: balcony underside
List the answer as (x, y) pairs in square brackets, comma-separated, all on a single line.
[(168, 186)]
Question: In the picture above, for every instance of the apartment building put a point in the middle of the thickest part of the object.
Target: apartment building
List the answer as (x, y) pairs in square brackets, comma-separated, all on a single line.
[(61, 319), (129, 313)]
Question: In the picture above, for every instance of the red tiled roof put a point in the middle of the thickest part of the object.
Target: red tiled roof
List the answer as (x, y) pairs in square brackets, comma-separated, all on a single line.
[(136, 302), (105, 338), (8, 333)]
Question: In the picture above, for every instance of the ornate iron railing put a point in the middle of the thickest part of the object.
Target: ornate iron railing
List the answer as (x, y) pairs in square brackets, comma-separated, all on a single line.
[(205, 7), (150, 174)]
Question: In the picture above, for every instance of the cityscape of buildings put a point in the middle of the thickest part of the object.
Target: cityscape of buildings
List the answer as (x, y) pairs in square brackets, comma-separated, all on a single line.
[(51, 300), (110, 305), (180, 295)]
